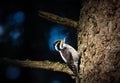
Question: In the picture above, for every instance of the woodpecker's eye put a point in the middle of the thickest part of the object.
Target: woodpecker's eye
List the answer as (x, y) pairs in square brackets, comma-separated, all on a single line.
[(56, 42)]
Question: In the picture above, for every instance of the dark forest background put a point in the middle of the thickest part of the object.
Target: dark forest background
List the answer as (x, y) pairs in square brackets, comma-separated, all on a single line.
[(24, 35)]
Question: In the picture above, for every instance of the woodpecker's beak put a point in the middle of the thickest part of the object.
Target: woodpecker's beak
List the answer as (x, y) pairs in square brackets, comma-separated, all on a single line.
[(64, 39)]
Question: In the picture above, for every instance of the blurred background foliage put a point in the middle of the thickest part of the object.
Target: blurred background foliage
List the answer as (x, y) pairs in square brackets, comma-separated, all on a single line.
[(24, 35)]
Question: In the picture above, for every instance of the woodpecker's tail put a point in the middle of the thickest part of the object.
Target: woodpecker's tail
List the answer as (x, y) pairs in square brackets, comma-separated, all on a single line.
[(77, 80)]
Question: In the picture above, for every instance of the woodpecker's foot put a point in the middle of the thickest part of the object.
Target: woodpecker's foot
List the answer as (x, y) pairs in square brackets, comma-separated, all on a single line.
[(74, 76), (80, 76)]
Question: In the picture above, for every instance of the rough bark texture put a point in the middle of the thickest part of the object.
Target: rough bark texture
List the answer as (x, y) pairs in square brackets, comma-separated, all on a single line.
[(99, 29), (57, 19), (48, 65)]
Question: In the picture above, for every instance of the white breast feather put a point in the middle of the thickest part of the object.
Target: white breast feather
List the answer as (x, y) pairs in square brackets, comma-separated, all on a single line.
[(73, 51), (63, 57)]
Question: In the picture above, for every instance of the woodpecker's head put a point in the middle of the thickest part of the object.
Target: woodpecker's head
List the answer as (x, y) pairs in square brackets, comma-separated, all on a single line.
[(57, 45)]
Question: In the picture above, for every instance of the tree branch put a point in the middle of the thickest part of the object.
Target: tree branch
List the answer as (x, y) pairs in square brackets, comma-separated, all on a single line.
[(58, 19), (48, 65)]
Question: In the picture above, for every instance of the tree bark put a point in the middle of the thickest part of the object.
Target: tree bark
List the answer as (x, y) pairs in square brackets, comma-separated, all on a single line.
[(57, 19), (99, 31), (48, 65)]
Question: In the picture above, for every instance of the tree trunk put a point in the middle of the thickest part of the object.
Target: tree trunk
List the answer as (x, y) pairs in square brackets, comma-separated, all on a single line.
[(99, 31)]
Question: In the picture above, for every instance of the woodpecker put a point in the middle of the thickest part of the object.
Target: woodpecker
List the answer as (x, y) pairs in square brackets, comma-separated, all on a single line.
[(68, 54)]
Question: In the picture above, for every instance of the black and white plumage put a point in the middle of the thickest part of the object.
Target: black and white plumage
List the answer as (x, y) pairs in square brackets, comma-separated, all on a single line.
[(68, 54)]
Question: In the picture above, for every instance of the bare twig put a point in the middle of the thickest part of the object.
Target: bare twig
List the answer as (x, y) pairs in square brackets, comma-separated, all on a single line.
[(48, 65), (58, 19)]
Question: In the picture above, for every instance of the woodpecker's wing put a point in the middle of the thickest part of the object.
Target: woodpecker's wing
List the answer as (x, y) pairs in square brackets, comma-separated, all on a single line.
[(71, 64)]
